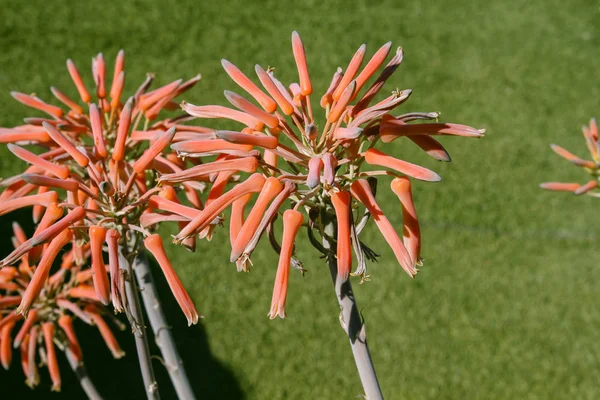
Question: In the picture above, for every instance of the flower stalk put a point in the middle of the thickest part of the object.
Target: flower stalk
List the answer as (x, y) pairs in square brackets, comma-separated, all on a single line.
[(350, 318), (162, 331), (84, 379), (139, 332)]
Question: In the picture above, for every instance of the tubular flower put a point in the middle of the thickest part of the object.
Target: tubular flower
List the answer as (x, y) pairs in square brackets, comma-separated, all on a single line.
[(103, 158), (154, 245), (592, 167), (46, 321), (324, 163)]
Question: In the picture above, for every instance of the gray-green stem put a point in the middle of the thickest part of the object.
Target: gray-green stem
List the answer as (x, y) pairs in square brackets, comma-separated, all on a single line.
[(162, 331), (139, 331), (351, 320), (84, 379)]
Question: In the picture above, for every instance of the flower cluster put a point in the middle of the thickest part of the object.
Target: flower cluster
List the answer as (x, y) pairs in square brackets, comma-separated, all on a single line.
[(590, 133), (51, 301), (318, 165), (101, 163)]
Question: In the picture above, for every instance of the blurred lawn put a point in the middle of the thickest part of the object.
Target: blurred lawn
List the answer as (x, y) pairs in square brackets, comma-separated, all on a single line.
[(506, 305)]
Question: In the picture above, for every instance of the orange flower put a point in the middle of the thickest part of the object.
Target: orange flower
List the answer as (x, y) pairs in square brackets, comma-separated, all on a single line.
[(106, 177), (223, 112), (150, 98), (105, 332), (245, 164), (361, 191), (66, 100), (350, 73), (251, 185), (271, 188), (43, 199), (244, 105), (203, 146), (45, 181), (48, 331), (376, 157), (590, 134), (66, 324), (316, 164), (411, 230), (560, 187), (31, 319), (63, 142), (154, 245), (292, 220), (266, 142), (242, 80), (100, 277), (34, 102), (5, 344), (60, 171), (341, 202), (300, 57), (373, 65), (32, 373), (393, 129), (112, 240), (42, 271), (98, 134), (157, 147), (74, 72), (45, 235), (237, 217), (124, 122)]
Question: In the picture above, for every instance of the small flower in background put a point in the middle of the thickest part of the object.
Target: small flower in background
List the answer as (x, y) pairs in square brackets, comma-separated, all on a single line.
[(590, 133), (37, 309), (95, 162), (315, 161)]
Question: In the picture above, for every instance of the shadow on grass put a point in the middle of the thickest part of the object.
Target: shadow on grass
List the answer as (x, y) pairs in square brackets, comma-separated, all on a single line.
[(120, 379)]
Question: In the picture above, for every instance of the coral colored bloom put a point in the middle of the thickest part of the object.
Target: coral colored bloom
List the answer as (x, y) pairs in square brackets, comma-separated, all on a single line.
[(112, 240), (66, 324), (44, 199), (91, 182), (271, 188), (361, 191), (300, 57), (105, 332), (316, 160), (315, 166), (590, 134), (48, 332), (376, 157), (242, 80), (32, 318), (251, 185), (411, 230), (341, 202), (292, 220), (154, 245), (100, 277), (42, 271), (266, 142), (5, 344)]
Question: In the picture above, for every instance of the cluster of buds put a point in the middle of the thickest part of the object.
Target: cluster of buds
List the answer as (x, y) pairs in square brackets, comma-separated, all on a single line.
[(44, 306), (92, 173), (318, 167), (592, 167)]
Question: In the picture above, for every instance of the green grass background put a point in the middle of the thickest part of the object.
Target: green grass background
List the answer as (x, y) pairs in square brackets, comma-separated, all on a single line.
[(506, 305)]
